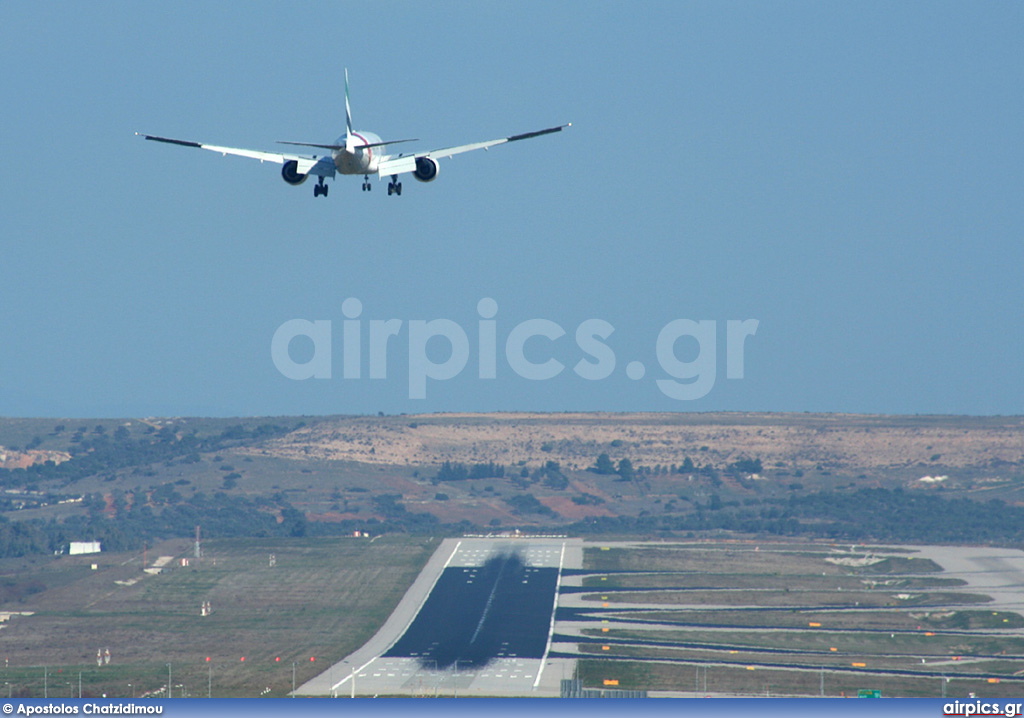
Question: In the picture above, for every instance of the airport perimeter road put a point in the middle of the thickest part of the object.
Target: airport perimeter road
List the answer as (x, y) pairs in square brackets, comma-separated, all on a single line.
[(476, 621)]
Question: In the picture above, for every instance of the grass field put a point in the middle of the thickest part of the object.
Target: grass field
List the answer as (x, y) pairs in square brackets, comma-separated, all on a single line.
[(321, 598), (915, 644), (710, 678), (741, 557), (790, 619), (779, 619), (765, 581)]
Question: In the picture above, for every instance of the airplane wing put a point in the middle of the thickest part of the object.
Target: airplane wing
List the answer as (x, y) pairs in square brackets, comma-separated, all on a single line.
[(320, 166), (449, 151), (407, 163)]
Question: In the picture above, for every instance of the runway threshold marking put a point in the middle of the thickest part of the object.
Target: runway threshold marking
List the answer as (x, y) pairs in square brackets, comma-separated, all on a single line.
[(551, 628)]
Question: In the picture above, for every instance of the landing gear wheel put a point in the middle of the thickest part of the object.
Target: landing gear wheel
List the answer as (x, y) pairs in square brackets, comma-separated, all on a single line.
[(391, 188), (398, 189), (316, 190), (326, 187)]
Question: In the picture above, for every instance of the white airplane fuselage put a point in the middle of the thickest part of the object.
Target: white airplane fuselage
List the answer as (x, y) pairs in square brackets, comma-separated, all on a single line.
[(362, 160)]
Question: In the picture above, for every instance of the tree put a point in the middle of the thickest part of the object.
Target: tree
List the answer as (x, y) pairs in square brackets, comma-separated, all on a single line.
[(747, 466), (490, 470), (450, 471), (603, 465), (528, 504), (625, 470), (293, 521)]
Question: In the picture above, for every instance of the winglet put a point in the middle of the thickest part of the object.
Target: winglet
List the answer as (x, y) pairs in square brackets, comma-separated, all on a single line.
[(538, 133), (170, 141)]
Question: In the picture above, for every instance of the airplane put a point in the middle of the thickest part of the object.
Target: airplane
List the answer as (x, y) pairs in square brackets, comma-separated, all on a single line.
[(355, 153)]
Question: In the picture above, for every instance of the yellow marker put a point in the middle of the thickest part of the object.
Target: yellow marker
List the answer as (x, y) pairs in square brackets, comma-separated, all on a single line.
[(604, 630), (833, 649), (604, 620), (604, 605), (750, 668), (859, 665), (606, 648), (604, 578), (611, 681), (606, 548), (993, 680), (814, 624)]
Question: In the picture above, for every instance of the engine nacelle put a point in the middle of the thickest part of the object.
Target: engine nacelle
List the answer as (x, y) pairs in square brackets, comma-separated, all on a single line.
[(426, 169), (290, 173)]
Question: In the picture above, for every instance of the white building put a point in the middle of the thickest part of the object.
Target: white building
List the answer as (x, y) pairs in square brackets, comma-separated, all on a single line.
[(79, 547)]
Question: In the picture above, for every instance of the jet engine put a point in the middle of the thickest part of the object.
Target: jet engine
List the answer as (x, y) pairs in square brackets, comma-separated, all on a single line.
[(426, 169), (290, 173)]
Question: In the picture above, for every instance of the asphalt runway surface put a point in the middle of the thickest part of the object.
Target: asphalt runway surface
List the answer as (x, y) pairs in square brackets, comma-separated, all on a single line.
[(476, 614), (477, 621)]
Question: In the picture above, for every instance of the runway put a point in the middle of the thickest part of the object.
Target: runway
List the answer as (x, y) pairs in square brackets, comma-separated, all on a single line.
[(477, 621)]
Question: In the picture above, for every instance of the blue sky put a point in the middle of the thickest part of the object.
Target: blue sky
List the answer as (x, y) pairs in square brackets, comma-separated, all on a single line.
[(847, 175)]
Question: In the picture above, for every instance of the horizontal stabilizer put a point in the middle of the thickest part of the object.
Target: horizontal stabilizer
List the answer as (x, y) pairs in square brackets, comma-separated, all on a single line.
[(342, 147)]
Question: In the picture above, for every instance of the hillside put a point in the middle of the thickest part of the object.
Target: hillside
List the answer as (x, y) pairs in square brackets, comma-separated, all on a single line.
[(797, 441), (127, 481)]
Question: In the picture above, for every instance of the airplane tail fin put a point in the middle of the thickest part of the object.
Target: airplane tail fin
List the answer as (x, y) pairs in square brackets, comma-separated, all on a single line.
[(349, 137)]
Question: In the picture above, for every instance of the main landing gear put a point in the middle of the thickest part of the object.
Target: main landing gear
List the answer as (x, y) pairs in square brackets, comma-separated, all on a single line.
[(394, 186), (320, 188), (366, 183)]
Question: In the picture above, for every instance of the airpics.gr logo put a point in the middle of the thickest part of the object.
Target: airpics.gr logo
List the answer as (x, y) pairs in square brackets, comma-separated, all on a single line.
[(686, 380)]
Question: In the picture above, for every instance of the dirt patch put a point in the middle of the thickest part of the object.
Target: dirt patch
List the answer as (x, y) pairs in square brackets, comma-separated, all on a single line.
[(575, 440), (568, 508)]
